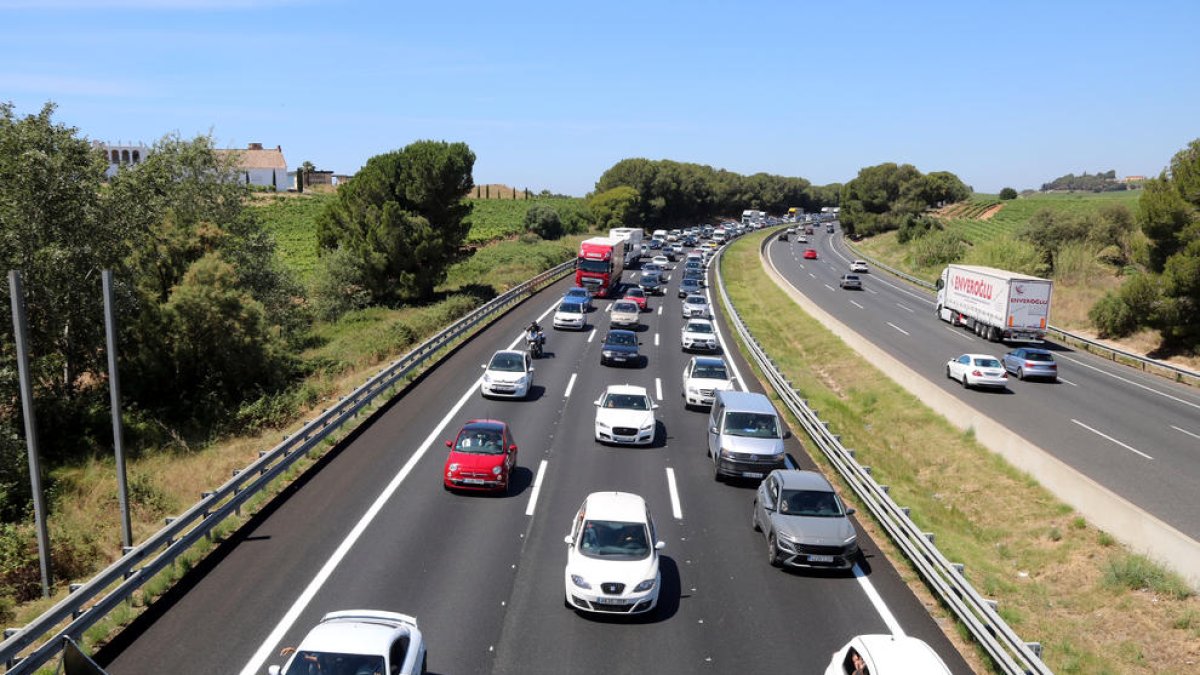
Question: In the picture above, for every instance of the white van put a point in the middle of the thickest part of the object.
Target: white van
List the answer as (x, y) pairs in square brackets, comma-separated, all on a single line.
[(745, 436)]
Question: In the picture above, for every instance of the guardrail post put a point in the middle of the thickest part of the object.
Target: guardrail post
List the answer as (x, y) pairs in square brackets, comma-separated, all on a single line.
[(1035, 647), (992, 603), (75, 614), (887, 489), (867, 470), (907, 511), (9, 632), (931, 537), (237, 490)]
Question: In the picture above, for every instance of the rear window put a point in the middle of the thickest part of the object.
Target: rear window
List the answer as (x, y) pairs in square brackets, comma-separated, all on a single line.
[(987, 363), (1034, 356)]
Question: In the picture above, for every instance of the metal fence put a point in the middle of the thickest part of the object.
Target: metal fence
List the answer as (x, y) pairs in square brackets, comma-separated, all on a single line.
[(90, 602), (979, 615), (1178, 373)]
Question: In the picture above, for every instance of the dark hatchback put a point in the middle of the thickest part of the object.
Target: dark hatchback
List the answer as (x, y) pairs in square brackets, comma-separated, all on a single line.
[(620, 348), (651, 283)]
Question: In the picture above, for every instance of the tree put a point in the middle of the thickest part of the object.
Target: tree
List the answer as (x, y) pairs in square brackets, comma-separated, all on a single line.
[(403, 218), (1163, 214), (614, 208), (1007, 194), (543, 220)]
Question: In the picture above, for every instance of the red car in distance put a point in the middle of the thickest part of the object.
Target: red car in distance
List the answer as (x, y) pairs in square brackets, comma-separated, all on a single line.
[(481, 458), (637, 295), (810, 254)]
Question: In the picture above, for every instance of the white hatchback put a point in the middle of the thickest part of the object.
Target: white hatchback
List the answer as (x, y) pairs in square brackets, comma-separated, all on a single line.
[(508, 374), (886, 655), (703, 377), (570, 314), (359, 641), (699, 335), (859, 266), (625, 313), (612, 556), (695, 306), (625, 414)]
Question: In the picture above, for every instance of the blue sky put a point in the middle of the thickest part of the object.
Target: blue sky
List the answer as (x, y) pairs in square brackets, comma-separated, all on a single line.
[(549, 95)]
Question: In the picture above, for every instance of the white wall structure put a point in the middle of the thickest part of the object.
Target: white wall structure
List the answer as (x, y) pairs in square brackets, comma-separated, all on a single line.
[(262, 167), (121, 154)]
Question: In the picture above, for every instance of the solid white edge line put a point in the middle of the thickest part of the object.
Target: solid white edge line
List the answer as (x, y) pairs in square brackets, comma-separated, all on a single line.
[(1127, 381), (1183, 431), (880, 606), (570, 386), (897, 327), (537, 488), (1101, 434), (741, 384), (676, 510), (548, 310), (857, 305), (658, 388), (267, 649)]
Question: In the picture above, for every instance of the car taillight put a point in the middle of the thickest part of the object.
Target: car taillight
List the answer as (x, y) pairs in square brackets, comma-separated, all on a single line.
[(976, 373)]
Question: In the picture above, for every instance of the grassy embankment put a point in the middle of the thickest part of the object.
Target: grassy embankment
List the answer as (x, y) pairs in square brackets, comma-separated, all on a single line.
[(1095, 607), (341, 355)]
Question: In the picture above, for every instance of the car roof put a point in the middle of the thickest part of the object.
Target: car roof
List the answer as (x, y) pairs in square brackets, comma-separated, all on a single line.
[(708, 360), (484, 424), (621, 331), (981, 356), (746, 401), (623, 301), (798, 479), (900, 655), (625, 389), (621, 506), (1035, 350), (515, 352), (701, 298), (356, 632), (698, 320)]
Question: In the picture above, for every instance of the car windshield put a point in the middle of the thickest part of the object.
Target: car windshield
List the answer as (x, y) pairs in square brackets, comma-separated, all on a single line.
[(571, 308), (614, 540), (625, 307), (650, 277), (810, 503), (699, 327), (689, 283), (987, 363), (626, 339), (480, 442), (851, 277), (1036, 356), (580, 293), (597, 266), (635, 293), (754, 425), (694, 300), (713, 372), (306, 662), (627, 402), (508, 363)]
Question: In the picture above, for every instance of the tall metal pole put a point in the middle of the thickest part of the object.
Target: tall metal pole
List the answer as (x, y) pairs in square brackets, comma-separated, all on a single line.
[(114, 394), (35, 468)]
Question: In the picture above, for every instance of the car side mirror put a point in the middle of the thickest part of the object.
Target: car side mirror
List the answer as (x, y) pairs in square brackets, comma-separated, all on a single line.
[(449, 444), (483, 365), (512, 448), (713, 430), (274, 670), (660, 545), (596, 403), (787, 434), (531, 369), (569, 540), (654, 406), (850, 512)]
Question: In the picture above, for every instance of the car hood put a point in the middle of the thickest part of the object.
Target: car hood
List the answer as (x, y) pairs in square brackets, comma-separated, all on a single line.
[(568, 315), (470, 461), (756, 446), (813, 531), (624, 315), (699, 336), (503, 376), (596, 571), (706, 383), (619, 417)]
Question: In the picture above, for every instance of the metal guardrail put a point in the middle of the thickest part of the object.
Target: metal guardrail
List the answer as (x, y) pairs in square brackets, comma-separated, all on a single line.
[(92, 601), (1179, 373), (979, 615)]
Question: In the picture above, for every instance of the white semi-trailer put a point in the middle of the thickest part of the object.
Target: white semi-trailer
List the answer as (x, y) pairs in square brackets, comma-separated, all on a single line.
[(996, 304), (632, 236)]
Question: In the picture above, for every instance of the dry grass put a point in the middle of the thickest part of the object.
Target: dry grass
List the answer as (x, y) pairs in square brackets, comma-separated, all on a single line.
[(1020, 545)]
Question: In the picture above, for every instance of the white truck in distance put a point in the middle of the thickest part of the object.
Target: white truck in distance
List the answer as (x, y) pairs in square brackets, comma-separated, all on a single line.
[(996, 304), (751, 218), (632, 236)]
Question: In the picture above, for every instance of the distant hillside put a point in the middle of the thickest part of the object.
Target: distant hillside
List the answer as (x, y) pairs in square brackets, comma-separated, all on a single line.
[(984, 217), (1098, 182)]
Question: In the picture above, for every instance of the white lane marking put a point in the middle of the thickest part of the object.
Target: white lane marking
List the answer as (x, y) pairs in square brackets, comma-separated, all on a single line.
[(829, 287), (267, 648), (880, 606), (1136, 384), (656, 339), (872, 292), (592, 335), (959, 333), (608, 308), (1185, 431), (1101, 434), (812, 275), (801, 264), (537, 488), (910, 310), (660, 310), (897, 327), (857, 305), (570, 386), (675, 508), (658, 388), (1067, 382)]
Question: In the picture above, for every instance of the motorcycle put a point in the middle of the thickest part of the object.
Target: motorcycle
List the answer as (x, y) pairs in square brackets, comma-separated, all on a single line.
[(534, 341)]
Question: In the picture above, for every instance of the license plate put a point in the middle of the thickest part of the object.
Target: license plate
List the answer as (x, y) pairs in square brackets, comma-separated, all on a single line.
[(618, 358), (752, 474), (820, 558), (609, 601), (473, 481)]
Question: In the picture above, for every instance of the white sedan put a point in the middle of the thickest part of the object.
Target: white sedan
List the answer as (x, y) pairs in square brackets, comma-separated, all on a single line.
[(612, 556), (695, 306), (625, 313), (698, 334), (508, 374), (359, 641), (625, 414), (703, 377), (977, 370), (859, 266), (662, 261)]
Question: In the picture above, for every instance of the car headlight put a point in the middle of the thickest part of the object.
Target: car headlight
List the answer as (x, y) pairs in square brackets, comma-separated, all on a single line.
[(725, 452), (777, 457), (644, 586), (851, 540), (453, 468), (647, 426), (608, 354), (487, 379), (580, 582), (496, 470), (786, 543), (602, 425)]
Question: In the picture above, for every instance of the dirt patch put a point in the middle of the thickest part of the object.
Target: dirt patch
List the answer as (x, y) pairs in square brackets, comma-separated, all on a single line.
[(991, 211)]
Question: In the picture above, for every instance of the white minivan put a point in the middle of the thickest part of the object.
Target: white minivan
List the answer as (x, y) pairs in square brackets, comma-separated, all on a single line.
[(745, 436)]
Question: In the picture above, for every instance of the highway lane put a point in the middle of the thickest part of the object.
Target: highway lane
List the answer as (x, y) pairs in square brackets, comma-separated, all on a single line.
[(1136, 434), (484, 578)]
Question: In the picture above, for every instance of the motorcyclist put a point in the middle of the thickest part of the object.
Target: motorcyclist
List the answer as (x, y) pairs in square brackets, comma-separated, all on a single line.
[(534, 332)]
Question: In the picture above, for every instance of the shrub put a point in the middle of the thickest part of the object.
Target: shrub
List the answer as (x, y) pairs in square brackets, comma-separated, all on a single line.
[(340, 285), (1137, 572), (937, 249), (1077, 263), (1008, 253), (544, 221), (1008, 193)]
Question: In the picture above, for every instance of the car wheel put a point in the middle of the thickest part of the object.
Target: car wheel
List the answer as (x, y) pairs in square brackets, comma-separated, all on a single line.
[(754, 517), (425, 663), (1020, 373), (964, 382), (948, 375), (773, 552)]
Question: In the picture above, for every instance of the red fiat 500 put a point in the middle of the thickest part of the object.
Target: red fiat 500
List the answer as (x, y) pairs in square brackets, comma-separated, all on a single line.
[(810, 254), (481, 458)]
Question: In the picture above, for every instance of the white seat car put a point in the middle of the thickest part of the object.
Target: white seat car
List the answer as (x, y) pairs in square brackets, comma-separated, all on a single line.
[(662, 261), (695, 306), (977, 370), (698, 335), (703, 377), (612, 556), (625, 414), (859, 266), (625, 313), (508, 374), (886, 655), (359, 641), (570, 314)]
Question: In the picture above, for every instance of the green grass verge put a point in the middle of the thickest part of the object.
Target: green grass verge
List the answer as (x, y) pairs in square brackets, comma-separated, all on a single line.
[(1020, 545)]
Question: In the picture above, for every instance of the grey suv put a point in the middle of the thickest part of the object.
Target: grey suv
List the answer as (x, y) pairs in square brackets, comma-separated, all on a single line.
[(804, 521)]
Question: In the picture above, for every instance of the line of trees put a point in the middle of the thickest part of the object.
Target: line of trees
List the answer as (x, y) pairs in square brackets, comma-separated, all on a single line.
[(646, 193), (894, 196), (1096, 182)]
